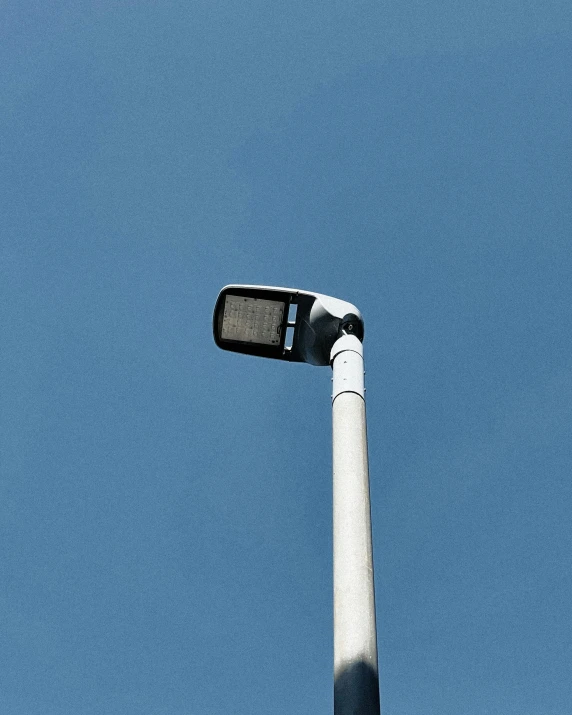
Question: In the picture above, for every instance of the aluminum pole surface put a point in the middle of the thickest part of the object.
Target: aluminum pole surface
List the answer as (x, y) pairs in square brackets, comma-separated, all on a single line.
[(356, 682)]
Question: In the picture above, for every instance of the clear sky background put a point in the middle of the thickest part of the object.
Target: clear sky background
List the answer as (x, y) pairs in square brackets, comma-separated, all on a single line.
[(165, 507)]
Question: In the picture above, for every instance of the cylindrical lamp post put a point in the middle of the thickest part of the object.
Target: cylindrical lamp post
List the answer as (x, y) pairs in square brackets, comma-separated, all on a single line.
[(356, 682), (255, 320)]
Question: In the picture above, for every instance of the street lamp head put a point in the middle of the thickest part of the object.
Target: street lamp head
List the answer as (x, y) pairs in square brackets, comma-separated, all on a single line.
[(282, 323)]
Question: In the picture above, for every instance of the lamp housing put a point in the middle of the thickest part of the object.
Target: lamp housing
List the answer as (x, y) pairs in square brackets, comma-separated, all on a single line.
[(255, 320)]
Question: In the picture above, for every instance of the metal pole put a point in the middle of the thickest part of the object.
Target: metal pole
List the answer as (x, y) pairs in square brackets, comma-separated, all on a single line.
[(356, 682)]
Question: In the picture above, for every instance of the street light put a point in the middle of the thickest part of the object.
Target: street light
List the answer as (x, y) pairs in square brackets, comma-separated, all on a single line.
[(301, 326)]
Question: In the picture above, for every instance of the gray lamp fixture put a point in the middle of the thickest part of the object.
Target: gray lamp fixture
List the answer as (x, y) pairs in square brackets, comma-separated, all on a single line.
[(255, 320)]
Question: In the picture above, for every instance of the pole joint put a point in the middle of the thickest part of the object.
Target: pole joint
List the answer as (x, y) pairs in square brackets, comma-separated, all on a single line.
[(346, 360)]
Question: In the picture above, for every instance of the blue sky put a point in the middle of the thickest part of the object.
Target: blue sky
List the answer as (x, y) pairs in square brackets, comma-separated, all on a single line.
[(165, 510)]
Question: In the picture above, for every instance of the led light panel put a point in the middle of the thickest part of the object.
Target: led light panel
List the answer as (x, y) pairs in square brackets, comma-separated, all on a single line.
[(252, 320)]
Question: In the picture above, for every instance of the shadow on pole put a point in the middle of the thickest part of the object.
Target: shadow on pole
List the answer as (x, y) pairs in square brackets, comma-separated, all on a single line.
[(356, 690)]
